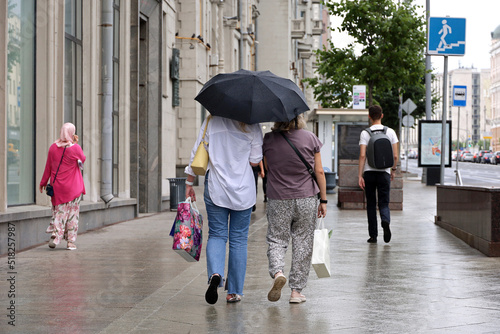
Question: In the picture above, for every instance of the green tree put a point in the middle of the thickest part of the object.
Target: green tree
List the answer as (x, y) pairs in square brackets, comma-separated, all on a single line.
[(389, 100), (387, 53)]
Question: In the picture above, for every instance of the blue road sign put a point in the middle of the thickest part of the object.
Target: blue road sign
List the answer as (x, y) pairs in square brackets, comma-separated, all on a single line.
[(446, 36), (459, 96)]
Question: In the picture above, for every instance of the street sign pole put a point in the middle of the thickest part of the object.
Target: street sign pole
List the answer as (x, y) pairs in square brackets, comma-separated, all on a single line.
[(400, 112), (407, 134), (443, 129), (459, 100), (458, 179), (408, 121), (445, 37), (428, 68), (458, 136)]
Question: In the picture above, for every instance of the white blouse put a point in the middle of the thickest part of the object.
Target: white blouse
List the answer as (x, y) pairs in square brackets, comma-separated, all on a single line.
[(231, 182)]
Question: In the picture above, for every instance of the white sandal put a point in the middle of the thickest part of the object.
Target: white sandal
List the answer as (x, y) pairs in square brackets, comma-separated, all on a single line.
[(52, 244), (297, 299)]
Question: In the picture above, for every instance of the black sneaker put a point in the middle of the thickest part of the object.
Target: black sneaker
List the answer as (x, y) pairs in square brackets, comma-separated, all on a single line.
[(372, 240), (387, 231), (211, 295)]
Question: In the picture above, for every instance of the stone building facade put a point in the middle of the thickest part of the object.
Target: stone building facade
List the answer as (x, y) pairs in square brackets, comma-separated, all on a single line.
[(476, 117), (495, 87), (126, 72)]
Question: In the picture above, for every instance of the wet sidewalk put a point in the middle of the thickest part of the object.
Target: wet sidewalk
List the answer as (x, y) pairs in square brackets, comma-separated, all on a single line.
[(125, 278)]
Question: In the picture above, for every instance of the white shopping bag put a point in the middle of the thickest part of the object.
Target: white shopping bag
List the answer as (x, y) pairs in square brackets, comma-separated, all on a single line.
[(321, 251)]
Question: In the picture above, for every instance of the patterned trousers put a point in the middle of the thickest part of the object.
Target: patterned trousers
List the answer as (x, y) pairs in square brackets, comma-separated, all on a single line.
[(295, 218), (64, 223)]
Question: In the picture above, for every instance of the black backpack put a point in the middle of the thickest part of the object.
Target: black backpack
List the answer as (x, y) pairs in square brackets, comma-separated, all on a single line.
[(379, 150)]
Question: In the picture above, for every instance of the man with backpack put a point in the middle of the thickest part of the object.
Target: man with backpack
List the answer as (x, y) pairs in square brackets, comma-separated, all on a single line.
[(378, 159)]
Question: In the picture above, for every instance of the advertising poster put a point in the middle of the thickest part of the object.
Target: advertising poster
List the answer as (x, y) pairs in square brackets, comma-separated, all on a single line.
[(359, 97), (429, 144)]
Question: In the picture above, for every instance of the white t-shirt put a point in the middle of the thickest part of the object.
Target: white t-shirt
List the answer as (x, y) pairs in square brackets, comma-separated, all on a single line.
[(364, 138), (231, 182)]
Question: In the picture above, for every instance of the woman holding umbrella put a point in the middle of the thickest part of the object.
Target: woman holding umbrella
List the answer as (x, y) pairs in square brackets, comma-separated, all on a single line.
[(250, 97), (230, 194), (293, 203)]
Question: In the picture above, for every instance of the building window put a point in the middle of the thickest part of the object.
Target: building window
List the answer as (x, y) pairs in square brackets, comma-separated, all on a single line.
[(20, 102), (73, 66), (116, 92)]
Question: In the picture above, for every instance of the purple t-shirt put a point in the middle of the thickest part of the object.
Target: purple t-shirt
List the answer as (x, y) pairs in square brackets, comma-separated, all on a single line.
[(287, 177)]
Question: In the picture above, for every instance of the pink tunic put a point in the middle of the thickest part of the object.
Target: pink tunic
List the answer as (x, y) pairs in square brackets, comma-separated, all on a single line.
[(69, 181)]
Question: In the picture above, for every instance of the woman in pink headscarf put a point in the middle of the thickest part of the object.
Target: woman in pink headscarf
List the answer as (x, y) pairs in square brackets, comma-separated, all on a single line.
[(63, 169)]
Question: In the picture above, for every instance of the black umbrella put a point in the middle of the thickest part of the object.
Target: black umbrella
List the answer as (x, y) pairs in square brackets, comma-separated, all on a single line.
[(252, 97)]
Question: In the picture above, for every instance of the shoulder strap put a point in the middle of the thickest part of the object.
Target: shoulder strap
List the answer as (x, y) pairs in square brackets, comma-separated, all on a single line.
[(57, 171), (385, 129), (206, 125), (370, 132), (308, 166)]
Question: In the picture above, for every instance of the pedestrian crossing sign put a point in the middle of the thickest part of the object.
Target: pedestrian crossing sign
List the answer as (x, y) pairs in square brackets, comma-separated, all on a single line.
[(446, 36)]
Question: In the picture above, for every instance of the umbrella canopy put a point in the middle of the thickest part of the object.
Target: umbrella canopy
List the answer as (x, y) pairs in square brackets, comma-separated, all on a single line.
[(252, 97)]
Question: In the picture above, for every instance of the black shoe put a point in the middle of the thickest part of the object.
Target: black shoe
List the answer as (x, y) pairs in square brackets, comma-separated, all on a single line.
[(211, 295), (372, 240), (387, 231)]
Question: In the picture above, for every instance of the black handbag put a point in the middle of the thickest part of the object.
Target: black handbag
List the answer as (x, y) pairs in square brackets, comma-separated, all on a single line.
[(49, 189)]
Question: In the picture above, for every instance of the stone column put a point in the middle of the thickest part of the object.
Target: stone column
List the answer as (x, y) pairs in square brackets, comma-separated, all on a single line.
[(351, 196), (220, 35)]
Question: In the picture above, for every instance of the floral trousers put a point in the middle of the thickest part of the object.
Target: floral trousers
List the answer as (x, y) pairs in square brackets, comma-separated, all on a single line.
[(64, 223), (295, 219)]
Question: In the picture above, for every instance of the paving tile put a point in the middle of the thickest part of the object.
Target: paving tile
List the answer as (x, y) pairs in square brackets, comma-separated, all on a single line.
[(125, 278)]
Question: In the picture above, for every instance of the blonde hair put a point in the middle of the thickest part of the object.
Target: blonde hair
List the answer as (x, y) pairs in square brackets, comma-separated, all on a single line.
[(243, 127), (298, 122)]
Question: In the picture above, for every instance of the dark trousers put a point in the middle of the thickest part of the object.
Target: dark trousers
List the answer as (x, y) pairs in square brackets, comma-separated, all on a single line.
[(264, 184), (256, 171), (377, 184)]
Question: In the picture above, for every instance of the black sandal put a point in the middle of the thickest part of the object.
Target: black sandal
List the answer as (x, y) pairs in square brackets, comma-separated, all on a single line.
[(211, 295)]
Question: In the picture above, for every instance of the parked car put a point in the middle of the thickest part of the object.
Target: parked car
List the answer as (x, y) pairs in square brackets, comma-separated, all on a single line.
[(486, 158), (495, 159), (454, 156), (412, 155), (461, 158), (480, 154), (468, 157)]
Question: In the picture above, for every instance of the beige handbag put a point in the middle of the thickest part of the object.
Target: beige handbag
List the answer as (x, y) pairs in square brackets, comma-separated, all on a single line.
[(200, 161)]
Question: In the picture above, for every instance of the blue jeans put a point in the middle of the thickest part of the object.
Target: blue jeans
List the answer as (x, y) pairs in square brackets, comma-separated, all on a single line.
[(224, 224), (377, 184)]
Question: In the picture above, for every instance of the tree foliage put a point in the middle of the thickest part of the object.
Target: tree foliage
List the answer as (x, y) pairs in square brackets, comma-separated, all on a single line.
[(387, 53), (389, 100)]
